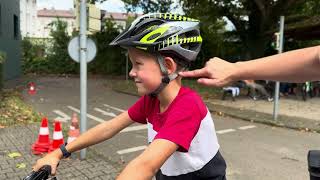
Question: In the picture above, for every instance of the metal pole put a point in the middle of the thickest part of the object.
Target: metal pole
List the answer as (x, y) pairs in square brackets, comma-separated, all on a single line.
[(127, 66), (83, 71), (276, 94)]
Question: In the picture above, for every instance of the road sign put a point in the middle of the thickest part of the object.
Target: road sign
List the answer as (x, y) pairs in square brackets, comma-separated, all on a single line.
[(74, 49), (94, 17)]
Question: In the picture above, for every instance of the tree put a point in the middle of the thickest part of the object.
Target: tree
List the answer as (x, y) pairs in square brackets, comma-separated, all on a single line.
[(109, 59), (253, 19), (59, 59), (149, 6)]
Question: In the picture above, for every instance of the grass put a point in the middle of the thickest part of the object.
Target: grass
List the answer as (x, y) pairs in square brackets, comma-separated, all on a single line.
[(13, 110), (129, 87)]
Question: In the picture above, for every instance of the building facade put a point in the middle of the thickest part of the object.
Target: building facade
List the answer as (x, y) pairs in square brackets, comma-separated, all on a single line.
[(10, 38), (28, 17), (47, 16), (120, 19)]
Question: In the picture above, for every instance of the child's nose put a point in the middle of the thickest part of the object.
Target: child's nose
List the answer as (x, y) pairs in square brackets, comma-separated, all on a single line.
[(132, 73)]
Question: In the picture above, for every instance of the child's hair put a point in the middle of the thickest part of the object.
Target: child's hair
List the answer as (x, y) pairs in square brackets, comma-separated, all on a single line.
[(181, 64)]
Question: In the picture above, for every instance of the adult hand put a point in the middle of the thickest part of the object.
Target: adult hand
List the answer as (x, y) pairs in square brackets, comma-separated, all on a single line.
[(217, 72), (51, 159)]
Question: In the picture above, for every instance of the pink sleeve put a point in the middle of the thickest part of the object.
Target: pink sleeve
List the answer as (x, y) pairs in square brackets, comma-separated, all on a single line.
[(183, 122), (137, 111)]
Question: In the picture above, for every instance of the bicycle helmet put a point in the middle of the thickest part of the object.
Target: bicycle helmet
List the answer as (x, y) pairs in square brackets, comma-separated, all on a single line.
[(163, 34)]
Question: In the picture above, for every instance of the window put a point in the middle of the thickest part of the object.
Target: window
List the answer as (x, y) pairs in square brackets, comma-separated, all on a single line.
[(15, 27)]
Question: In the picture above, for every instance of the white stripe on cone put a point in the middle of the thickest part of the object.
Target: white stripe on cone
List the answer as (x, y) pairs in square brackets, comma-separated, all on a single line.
[(57, 135), (44, 131)]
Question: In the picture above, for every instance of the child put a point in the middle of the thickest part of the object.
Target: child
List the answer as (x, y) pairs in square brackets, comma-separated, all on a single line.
[(183, 143)]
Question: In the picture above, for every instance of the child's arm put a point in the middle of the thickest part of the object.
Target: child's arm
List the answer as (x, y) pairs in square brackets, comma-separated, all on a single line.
[(93, 136), (101, 132), (146, 165)]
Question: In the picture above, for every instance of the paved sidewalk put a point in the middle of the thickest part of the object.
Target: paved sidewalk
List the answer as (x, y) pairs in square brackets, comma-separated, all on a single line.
[(19, 139), (293, 113)]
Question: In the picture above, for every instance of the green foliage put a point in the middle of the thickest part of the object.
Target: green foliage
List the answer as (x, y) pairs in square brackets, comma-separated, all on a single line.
[(2, 57), (33, 56), (254, 21), (109, 59), (2, 60), (149, 6), (13, 110), (48, 56), (59, 60), (51, 57)]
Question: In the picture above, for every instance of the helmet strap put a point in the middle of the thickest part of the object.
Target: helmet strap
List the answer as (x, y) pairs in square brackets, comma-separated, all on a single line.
[(166, 78)]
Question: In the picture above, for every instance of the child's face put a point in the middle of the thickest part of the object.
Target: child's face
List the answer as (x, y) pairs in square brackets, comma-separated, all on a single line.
[(145, 71)]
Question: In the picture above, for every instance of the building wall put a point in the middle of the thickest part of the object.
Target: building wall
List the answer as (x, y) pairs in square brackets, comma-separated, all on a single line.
[(10, 37), (43, 28), (28, 17)]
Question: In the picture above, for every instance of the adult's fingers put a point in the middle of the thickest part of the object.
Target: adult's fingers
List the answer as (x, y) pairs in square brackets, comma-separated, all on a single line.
[(210, 82), (195, 73)]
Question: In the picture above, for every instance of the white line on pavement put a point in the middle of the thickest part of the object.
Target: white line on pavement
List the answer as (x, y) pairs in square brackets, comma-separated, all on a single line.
[(246, 127), (128, 129), (88, 115), (129, 150), (134, 128), (225, 131), (114, 108), (62, 116), (105, 112)]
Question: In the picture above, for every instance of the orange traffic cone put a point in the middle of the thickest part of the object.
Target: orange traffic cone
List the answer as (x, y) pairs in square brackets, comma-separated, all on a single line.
[(43, 143), (74, 131), (32, 88), (57, 136)]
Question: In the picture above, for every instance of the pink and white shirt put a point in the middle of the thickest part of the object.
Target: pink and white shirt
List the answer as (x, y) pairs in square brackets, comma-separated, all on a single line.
[(186, 122)]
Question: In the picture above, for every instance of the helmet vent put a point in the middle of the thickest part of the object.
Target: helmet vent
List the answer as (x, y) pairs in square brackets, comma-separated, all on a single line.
[(154, 36)]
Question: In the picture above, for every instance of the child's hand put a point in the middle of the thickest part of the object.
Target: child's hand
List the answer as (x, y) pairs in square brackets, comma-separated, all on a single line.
[(52, 159)]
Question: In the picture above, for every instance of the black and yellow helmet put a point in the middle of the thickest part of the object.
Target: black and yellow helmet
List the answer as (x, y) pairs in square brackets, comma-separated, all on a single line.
[(165, 33)]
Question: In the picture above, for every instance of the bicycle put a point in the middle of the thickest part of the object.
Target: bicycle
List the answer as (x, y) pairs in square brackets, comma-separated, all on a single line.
[(42, 174)]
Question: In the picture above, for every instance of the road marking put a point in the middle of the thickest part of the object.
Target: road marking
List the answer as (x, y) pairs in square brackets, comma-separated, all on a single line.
[(225, 131), (105, 112), (130, 150), (134, 128), (88, 115), (114, 108), (247, 127), (62, 116)]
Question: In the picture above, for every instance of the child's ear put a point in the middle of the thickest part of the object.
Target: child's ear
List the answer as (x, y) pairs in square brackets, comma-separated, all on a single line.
[(170, 64)]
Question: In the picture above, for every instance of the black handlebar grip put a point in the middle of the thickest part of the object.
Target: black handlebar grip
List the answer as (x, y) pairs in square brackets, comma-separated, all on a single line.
[(42, 174)]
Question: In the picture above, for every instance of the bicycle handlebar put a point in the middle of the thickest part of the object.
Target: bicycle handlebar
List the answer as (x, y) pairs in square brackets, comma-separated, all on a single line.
[(42, 174)]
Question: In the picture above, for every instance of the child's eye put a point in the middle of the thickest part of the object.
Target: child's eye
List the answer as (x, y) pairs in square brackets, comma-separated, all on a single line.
[(138, 63)]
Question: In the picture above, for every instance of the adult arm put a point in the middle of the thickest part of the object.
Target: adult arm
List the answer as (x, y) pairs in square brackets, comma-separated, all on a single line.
[(293, 66)]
